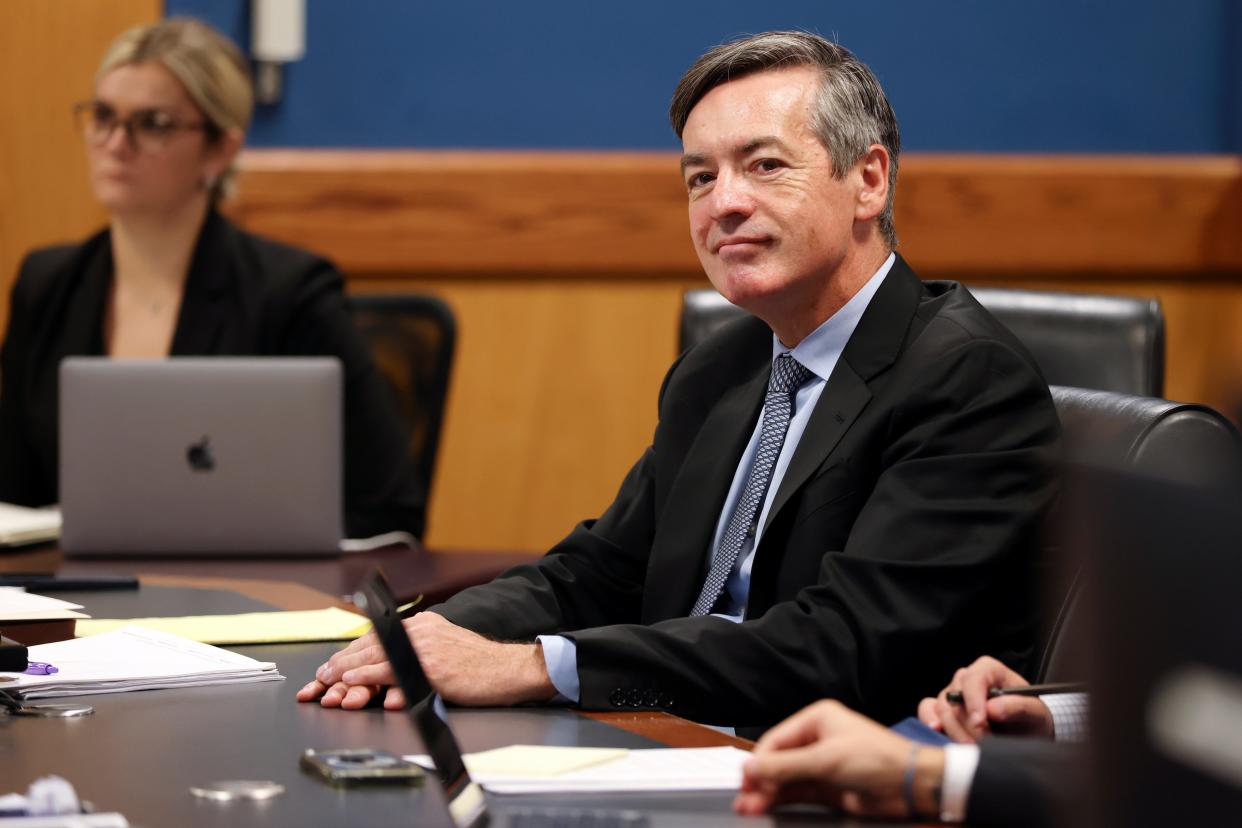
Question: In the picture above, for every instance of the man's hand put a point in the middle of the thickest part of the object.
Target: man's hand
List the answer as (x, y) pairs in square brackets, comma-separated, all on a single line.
[(979, 715), (332, 692), (463, 667), (828, 753)]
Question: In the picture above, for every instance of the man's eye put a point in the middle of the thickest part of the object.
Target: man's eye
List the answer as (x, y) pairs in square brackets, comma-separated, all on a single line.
[(768, 165), (698, 180)]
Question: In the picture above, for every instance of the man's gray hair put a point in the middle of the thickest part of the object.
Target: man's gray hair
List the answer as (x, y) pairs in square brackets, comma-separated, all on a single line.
[(851, 111)]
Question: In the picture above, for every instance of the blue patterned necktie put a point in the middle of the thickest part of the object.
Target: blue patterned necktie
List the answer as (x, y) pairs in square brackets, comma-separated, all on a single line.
[(787, 376)]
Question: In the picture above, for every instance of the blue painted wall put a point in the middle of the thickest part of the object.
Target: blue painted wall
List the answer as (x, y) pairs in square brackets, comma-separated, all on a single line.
[(964, 75)]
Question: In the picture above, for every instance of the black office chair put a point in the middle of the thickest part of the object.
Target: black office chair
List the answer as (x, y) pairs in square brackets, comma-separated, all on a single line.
[(1109, 343), (412, 337), (1178, 442), (703, 312), (1124, 336)]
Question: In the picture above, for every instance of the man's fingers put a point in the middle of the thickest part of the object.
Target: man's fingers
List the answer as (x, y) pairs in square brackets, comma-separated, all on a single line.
[(370, 674), (333, 695), (782, 767), (953, 725), (975, 686), (793, 732), (313, 690), (363, 641), (761, 800), (394, 699), (752, 803), (358, 696), (928, 715), (344, 661), (1021, 715)]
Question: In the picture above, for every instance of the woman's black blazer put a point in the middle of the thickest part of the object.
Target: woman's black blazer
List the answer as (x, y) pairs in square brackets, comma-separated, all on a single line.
[(244, 296)]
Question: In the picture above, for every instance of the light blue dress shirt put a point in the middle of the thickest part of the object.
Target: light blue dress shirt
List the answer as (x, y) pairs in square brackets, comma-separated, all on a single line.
[(819, 352)]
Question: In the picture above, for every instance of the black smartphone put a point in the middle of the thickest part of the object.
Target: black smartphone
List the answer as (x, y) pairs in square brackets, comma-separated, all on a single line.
[(360, 766)]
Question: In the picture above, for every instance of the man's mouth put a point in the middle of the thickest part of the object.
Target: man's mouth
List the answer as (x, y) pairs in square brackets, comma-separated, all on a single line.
[(738, 244)]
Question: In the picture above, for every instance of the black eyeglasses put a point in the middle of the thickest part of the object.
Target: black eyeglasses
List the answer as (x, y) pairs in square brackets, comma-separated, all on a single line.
[(149, 130)]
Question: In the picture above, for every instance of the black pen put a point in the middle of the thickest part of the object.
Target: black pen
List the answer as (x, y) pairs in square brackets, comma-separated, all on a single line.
[(955, 696), (40, 582)]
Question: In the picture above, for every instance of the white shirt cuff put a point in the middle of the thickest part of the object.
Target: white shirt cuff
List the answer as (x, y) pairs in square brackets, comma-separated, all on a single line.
[(1069, 716), (960, 762), (560, 657)]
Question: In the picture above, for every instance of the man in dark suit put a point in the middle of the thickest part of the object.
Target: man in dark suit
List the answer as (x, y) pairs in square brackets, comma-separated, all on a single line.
[(842, 494)]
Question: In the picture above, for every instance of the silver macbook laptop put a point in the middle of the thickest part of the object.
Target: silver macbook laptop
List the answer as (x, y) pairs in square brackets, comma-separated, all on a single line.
[(201, 456)]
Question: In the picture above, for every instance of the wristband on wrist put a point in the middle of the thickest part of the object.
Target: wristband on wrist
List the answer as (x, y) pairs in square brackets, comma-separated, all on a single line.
[(908, 794), (907, 780)]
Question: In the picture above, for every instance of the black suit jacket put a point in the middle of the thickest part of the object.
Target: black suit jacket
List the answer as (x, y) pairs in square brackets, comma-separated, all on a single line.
[(1028, 782), (900, 544), (244, 296)]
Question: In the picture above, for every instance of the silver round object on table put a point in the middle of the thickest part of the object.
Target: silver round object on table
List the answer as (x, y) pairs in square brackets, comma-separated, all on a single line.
[(53, 711), (233, 790)]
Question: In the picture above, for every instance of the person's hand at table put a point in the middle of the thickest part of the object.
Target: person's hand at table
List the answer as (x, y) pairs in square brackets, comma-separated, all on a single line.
[(827, 753), (978, 715), (363, 650), (462, 666)]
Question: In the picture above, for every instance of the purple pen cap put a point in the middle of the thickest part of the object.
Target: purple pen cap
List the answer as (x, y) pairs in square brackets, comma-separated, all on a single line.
[(40, 668)]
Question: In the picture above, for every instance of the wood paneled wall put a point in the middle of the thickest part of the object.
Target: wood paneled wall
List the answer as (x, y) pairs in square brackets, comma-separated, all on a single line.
[(566, 272), (566, 269), (624, 214), (48, 55)]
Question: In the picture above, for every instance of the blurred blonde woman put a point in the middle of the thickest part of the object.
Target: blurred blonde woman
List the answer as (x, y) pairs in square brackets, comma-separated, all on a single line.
[(170, 276)]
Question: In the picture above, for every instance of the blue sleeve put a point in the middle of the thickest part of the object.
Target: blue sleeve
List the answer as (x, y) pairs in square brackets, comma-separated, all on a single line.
[(560, 656)]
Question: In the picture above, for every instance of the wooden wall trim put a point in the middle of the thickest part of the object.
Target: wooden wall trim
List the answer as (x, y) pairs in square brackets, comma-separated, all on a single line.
[(489, 214), (498, 214)]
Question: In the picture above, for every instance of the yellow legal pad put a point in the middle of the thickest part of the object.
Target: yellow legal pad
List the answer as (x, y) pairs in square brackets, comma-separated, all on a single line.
[(330, 624)]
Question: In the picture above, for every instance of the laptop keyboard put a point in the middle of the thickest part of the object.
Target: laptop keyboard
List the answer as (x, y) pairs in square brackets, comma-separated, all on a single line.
[(561, 818)]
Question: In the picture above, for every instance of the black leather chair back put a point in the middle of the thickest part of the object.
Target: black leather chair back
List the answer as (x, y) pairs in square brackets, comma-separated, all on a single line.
[(1112, 343), (412, 338), (703, 312), (1179, 442)]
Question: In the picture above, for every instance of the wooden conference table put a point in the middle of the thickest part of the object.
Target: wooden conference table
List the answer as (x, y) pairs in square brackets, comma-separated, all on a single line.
[(435, 575), (142, 752)]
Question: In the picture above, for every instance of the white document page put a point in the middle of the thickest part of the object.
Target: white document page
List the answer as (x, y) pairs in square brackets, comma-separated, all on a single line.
[(19, 605), (133, 658), (657, 769)]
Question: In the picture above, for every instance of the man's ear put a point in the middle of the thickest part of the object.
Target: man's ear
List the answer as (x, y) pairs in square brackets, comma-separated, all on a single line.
[(872, 170)]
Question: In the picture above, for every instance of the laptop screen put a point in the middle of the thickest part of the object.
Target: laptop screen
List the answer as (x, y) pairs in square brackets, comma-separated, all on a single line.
[(465, 798)]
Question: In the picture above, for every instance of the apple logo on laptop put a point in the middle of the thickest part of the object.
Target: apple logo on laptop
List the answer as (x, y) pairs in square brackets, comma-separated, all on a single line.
[(199, 455)]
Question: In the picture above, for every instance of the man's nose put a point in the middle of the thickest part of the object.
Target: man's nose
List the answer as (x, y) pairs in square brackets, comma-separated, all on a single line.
[(731, 196)]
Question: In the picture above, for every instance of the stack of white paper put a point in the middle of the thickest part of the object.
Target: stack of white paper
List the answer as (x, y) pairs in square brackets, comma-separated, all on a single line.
[(522, 769), (133, 658), (21, 524)]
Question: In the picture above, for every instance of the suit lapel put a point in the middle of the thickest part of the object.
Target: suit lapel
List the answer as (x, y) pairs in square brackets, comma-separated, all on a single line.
[(842, 400), (680, 554), (874, 346), (85, 303)]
